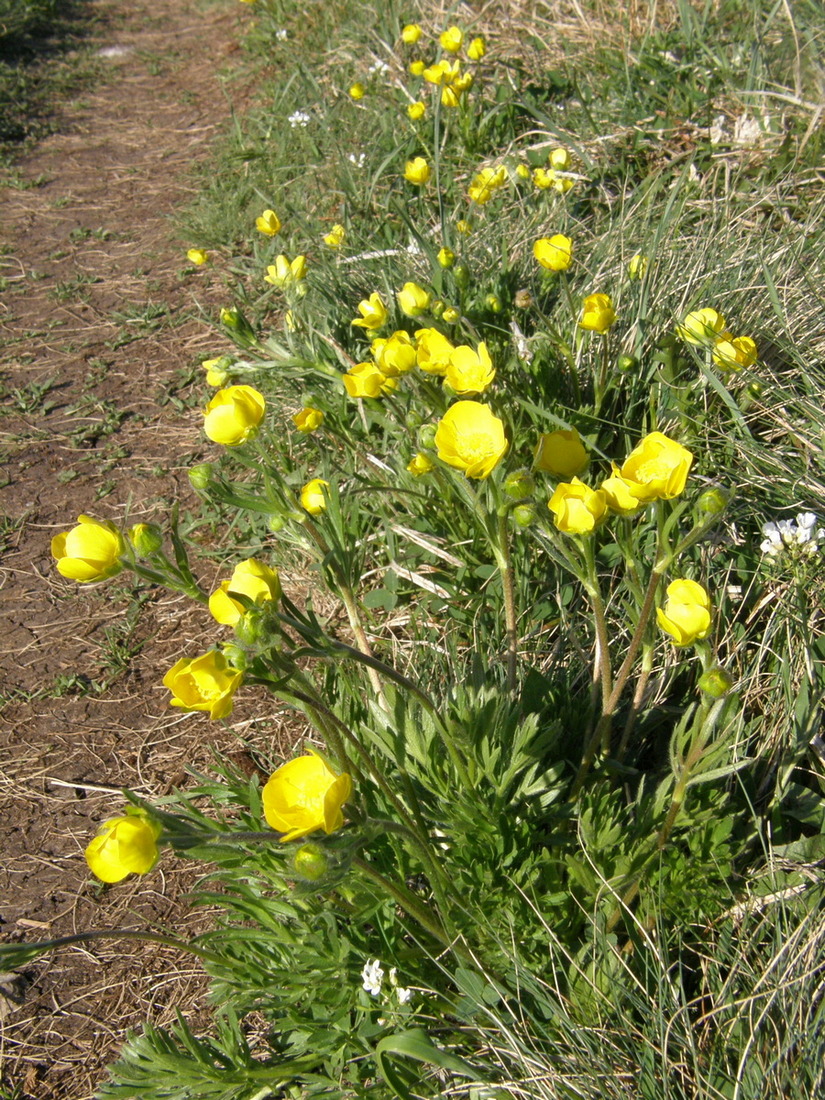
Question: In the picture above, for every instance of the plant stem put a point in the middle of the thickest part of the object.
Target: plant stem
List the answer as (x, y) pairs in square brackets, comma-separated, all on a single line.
[(505, 565), (406, 899)]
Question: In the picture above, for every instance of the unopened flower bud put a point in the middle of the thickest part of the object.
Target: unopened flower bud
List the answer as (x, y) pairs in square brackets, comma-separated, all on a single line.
[(235, 656), (462, 276), (436, 307), (524, 515), (520, 484), (451, 315), (276, 523), (627, 363), (523, 299), (413, 419), (716, 682), (251, 628), (311, 862), (712, 502), (200, 477), (446, 257), (146, 538), (493, 303), (426, 436)]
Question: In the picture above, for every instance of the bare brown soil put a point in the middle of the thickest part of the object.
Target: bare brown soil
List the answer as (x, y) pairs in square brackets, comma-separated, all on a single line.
[(101, 323)]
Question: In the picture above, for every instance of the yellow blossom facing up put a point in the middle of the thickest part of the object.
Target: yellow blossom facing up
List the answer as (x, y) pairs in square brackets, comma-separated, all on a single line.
[(366, 380), (420, 464), (252, 579), (373, 313), (433, 351), (452, 91), (477, 48), (686, 614), (416, 111), (620, 493), (450, 314), (546, 179), (285, 273), (446, 257), (305, 795), (464, 227), (657, 468), (702, 327), (523, 171), (217, 370), (578, 509), (560, 160), (413, 300), (734, 353), (356, 91), (417, 171), (125, 845), (410, 34), (197, 256), (335, 237), (486, 183), (205, 683), (451, 40), (233, 415), (469, 371), (417, 68), (88, 552), (471, 438), (313, 497), (597, 313), (268, 223), (442, 72), (308, 419), (561, 453), (395, 355), (637, 266), (554, 253)]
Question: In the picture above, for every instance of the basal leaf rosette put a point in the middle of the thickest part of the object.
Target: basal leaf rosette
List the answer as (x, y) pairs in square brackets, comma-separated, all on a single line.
[(305, 795), (471, 438), (125, 845), (204, 683), (91, 551)]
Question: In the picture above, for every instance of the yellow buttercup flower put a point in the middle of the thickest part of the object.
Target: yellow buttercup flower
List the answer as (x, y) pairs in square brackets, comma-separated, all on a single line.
[(554, 253), (233, 415), (469, 371), (417, 68), (420, 464), (486, 183), (734, 352), (464, 227), (433, 351), (560, 160), (702, 327), (89, 552), (125, 845), (477, 49), (446, 257), (217, 370), (686, 613), (395, 355), (197, 256), (417, 171), (335, 237), (313, 497), (657, 468), (637, 266), (452, 39), (373, 313), (251, 578), (546, 179), (268, 223), (452, 90), (366, 380), (308, 419), (356, 91), (450, 314), (620, 493), (285, 273), (305, 795), (413, 299), (561, 453), (411, 34), (416, 111), (578, 509), (597, 313), (471, 438), (205, 683)]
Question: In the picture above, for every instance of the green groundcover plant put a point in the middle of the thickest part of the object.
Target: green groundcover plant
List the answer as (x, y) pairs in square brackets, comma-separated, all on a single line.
[(547, 442)]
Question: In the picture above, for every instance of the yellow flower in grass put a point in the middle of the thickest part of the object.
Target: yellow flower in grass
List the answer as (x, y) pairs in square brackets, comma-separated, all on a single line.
[(657, 468), (702, 327), (125, 845), (373, 313), (547, 179), (560, 160), (268, 223), (445, 257), (286, 273), (89, 552), (308, 419), (420, 464), (335, 237), (313, 496), (637, 266), (251, 578), (233, 415), (433, 351), (469, 371), (734, 352), (598, 313), (486, 183), (366, 380), (620, 493), (477, 49), (395, 355), (453, 90), (417, 171), (413, 299), (578, 509), (197, 256), (204, 683), (561, 453), (410, 34), (471, 438), (686, 613), (554, 253), (305, 795), (217, 370), (356, 91), (416, 111), (451, 40), (417, 68)]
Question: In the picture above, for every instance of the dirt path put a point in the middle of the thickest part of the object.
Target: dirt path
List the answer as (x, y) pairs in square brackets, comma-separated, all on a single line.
[(101, 330)]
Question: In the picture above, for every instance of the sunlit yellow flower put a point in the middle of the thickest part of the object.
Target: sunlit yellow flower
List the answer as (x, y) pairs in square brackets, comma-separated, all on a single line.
[(446, 257), (657, 468), (123, 846), (204, 683), (416, 110), (268, 223), (305, 795), (561, 453), (452, 91), (734, 352), (554, 253), (417, 68), (356, 91), (411, 34), (620, 493), (413, 299), (251, 578), (471, 438), (597, 313), (464, 227), (233, 415), (285, 273), (578, 509), (686, 613), (335, 237), (523, 171), (451, 40), (313, 497), (702, 327), (546, 179), (637, 266), (560, 160), (477, 49), (308, 419), (395, 355), (420, 464), (486, 183), (441, 72), (366, 380), (197, 256), (417, 171), (373, 313), (469, 371), (217, 370), (89, 552), (433, 351)]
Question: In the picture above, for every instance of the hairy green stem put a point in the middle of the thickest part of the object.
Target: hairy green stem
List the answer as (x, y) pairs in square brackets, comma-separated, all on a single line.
[(505, 566)]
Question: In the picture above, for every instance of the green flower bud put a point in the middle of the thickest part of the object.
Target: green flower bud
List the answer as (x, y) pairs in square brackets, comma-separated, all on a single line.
[(437, 307), (519, 484), (146, 538), (524, 515), (276, 523), (755, 389), (716, 682), (311, 862), (493, 303), (627, 362), (426, 436), (461, 273), (413, 419), (251, 628), (236, 657), (200, 477), (712, 502)]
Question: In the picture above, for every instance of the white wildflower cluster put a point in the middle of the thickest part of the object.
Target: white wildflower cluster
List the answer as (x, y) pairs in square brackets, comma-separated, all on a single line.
[(379, 67), (358, 159), (372, 977), (801, 534), (282, 35), (298, 118)]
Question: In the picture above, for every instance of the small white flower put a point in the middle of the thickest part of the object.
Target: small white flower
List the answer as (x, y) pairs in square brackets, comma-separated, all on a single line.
[(298, 118), (358, 159), (403, 994), (799, 534), (379, 67), (281, 35), (372, 976)]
